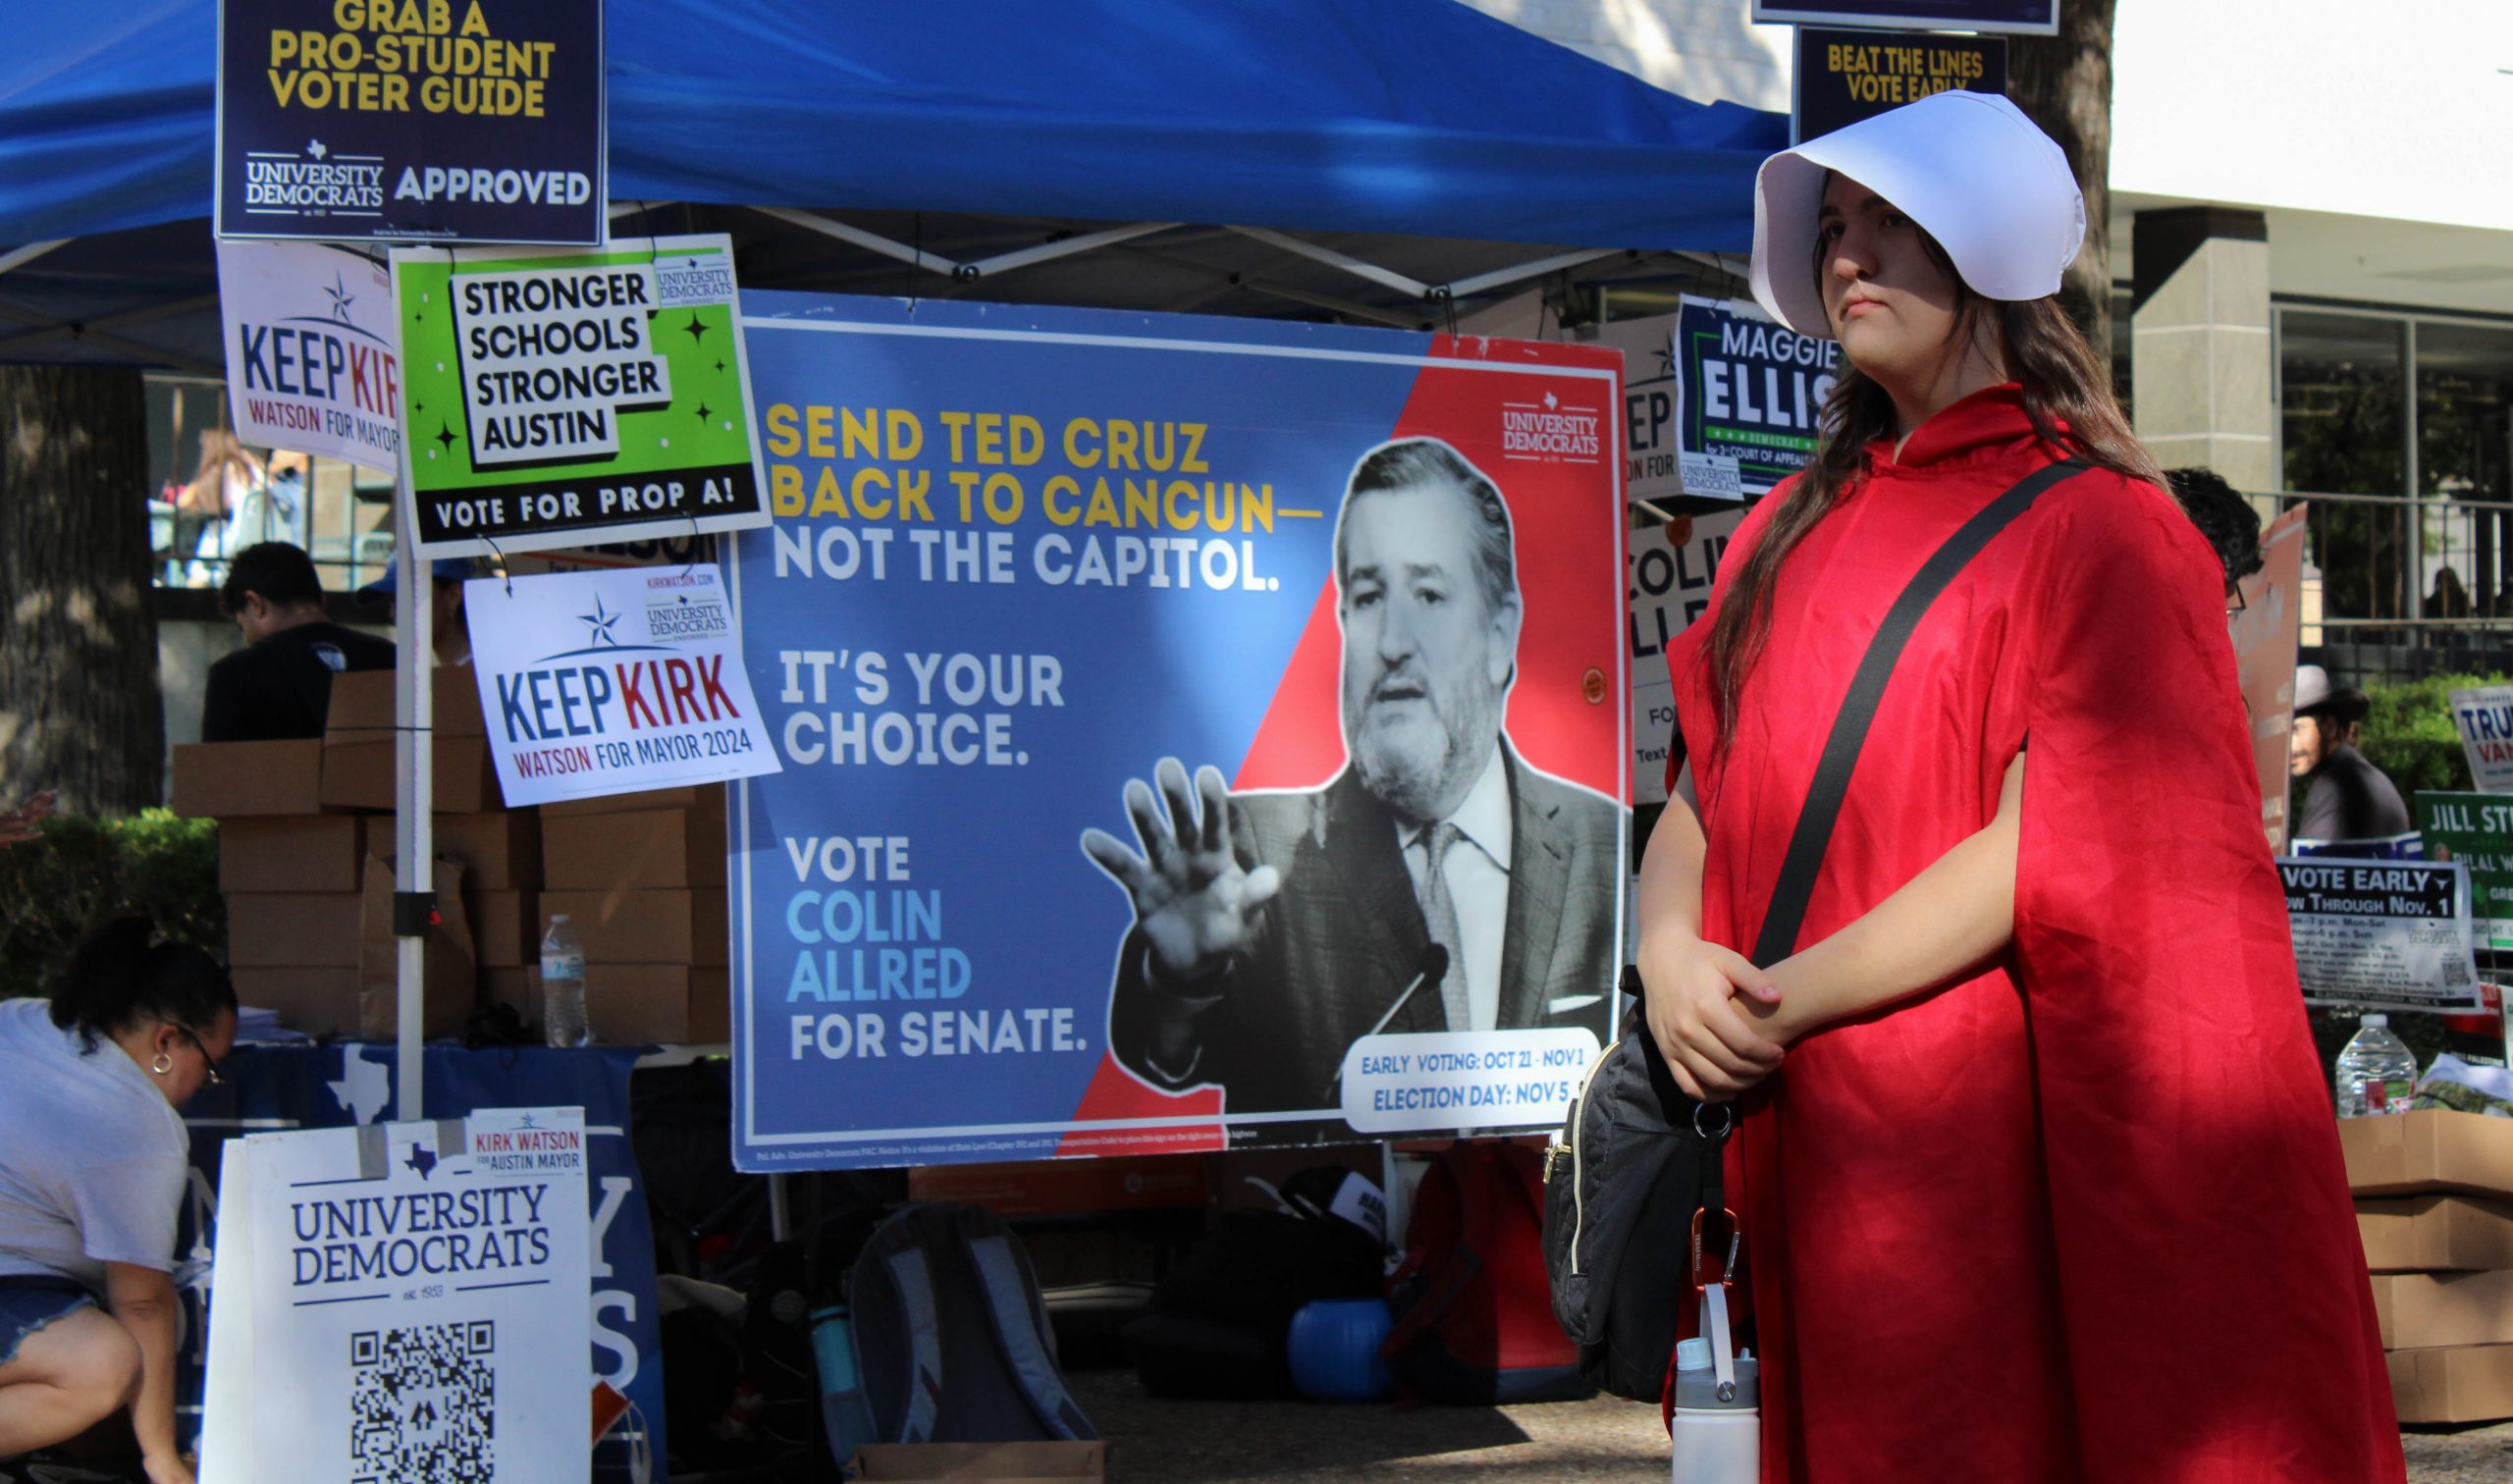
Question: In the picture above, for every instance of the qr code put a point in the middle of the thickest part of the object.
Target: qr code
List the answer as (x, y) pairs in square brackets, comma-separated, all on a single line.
[(423, 1404)]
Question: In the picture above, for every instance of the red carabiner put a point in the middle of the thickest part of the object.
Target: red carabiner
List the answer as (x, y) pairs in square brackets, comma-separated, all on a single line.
[(1725, 1264)]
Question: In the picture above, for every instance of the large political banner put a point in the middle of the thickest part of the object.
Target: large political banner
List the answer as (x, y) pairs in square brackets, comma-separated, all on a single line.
[(1196, 733)]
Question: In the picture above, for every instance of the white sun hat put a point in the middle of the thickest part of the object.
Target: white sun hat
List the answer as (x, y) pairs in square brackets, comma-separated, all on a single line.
[(1970, 168)]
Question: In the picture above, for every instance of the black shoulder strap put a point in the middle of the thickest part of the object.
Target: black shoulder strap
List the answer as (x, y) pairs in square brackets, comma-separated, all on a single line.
[(1814, 832)]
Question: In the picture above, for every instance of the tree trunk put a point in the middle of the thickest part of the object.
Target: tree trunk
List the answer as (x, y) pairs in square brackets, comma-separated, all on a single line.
[(2063, 84), (80, 710)]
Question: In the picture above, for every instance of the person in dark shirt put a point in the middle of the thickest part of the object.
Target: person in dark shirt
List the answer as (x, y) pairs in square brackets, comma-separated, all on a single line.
[(448, 628), (2350, 799), (280, 684)]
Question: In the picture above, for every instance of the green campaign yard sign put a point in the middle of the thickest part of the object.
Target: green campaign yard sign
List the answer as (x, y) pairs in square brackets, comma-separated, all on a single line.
[(559, 396), (2476, 829)]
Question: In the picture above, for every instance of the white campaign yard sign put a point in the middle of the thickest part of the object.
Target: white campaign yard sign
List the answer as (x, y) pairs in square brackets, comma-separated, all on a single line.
[(2382, 934), (310, 358), (406, 1302), (2485, 715), (1672, 567), (615, 681)]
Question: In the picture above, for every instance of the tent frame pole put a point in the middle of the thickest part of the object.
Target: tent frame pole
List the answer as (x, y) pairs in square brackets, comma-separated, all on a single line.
[(20, 256), (1386, 278), (413, 800), (950, 268)]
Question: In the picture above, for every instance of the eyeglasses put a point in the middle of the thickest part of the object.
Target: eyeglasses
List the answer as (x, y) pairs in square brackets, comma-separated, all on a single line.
[(2235, 606), (208, 1064)]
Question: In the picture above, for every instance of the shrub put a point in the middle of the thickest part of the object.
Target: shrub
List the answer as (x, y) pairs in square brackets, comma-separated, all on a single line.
[(2410, 734), (83, 871)]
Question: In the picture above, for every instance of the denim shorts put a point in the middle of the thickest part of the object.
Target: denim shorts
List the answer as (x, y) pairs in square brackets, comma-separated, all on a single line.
[(29, 1301)]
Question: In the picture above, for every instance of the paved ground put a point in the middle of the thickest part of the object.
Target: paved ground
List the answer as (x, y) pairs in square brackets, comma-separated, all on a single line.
[(1155, 1442)]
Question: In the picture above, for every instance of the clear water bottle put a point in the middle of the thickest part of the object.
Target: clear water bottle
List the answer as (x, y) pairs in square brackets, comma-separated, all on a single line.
[(1717, 1427), (562, 985), (2377, 1072)]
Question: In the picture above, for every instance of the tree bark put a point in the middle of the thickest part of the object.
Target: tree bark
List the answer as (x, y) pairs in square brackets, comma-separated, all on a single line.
[(2063, 84), (80, 710)]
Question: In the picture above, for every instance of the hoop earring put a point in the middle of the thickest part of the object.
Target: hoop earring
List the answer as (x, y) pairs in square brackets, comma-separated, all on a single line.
[(164, 1064)]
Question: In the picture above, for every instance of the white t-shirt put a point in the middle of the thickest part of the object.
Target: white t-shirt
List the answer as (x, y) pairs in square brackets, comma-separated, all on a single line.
[(92, 1157)]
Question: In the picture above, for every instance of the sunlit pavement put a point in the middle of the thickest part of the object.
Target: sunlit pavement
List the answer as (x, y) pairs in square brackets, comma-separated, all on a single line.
[(1155, 1442)]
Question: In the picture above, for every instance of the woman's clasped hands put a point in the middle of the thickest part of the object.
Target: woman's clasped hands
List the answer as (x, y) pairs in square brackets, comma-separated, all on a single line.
[(1713, 1014)]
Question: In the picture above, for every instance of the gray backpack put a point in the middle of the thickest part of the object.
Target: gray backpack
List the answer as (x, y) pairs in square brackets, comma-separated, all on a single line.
[(952, 1337), (1637, 1159)]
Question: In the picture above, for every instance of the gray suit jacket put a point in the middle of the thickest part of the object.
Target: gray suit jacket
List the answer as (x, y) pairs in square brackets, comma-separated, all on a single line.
[(1345, 935)]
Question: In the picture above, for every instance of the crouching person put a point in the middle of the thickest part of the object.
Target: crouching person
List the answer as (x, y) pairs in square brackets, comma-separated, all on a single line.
[(92, 1168)]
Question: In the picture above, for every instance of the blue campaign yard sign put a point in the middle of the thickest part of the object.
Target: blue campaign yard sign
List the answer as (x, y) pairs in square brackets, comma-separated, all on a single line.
[(452, 121), (2033, 18)]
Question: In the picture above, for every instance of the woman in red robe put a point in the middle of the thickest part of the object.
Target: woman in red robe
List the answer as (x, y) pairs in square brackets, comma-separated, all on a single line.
[(2046, 1186)]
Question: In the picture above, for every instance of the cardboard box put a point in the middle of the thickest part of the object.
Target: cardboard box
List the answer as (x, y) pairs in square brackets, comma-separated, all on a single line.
[(651, 850), (363, 775), (363, 705), (505, 928), (625, 926), (689, 796), (222, 780), (298, 853), (2426, 1234), (669, 1003), (2423, 1310), (500, 851), (984, 1463), (293, 930), (2466, 1383), (2435, 1150), (317, 1001)]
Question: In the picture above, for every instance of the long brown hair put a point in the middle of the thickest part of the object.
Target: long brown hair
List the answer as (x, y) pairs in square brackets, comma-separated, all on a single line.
[(2064, 381)]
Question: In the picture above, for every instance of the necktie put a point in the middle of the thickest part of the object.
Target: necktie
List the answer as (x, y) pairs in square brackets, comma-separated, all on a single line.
[(1439, 913)]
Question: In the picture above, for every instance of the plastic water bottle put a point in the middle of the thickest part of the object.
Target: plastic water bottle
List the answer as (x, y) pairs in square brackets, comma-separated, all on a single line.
[(2377, 1072), (562, 985), (1718, 1438)]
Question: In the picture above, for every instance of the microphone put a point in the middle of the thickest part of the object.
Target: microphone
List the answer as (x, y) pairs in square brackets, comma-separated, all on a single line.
[(1429, 969)]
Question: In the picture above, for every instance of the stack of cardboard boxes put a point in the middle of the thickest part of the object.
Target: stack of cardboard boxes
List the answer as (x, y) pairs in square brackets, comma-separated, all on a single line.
[(641, 879), (2434, 1205), (301, 840), (305, 839)]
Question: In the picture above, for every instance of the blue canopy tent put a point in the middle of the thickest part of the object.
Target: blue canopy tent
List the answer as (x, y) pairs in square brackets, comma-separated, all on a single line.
[(1022, 126), (1376, 160)]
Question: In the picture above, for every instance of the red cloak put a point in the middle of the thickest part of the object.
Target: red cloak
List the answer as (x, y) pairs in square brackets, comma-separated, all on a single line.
[(2082, 1217)]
